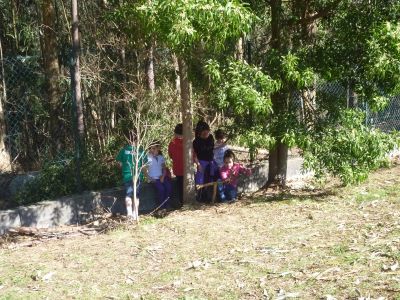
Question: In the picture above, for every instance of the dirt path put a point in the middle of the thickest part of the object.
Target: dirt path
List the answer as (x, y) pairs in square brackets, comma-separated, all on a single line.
[(343, 243)]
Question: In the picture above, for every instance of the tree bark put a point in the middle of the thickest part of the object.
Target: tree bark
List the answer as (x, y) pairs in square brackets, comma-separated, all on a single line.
[(76, 74), (239, 49), (76, 92), (14, 12), (278, 155), (52, 73), (150, 68), (352, 97), (5, 158), (177, 77), (188, 177)]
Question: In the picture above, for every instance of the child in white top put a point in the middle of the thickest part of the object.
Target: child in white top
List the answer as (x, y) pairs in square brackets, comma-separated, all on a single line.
[(220, 147), (157, 174)]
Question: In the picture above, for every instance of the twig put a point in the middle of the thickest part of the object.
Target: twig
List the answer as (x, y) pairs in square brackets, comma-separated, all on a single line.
[(158, 207)]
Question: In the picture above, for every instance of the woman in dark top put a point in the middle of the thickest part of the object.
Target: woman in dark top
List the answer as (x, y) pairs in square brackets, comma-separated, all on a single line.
[(203, 146)]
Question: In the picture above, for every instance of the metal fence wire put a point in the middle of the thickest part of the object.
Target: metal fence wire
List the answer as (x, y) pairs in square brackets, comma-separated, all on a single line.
[(25, 141)]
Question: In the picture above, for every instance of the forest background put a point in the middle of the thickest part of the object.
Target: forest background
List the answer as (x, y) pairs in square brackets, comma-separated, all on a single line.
[(318, 75)]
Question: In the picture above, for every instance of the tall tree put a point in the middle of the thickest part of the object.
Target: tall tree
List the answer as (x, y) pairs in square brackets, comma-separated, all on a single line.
[(297, 43), (150, 77), (309, 40), (52, 72), (5, 160), (76, 89), (183, 26)]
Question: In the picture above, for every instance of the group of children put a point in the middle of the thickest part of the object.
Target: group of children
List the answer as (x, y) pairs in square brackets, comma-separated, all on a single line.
[(215, 162)]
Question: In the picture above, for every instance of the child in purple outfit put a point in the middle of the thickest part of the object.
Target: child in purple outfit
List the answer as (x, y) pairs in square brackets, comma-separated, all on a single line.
[(207, 169)]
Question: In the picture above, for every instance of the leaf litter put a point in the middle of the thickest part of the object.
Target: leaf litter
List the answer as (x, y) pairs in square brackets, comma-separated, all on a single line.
[(347, 249)]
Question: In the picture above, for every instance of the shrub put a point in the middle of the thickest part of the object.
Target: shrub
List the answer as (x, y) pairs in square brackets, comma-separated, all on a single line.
[(58, 179), (347, 148)]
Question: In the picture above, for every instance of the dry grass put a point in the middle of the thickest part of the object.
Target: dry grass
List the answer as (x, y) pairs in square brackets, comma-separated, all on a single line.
[(342, 242)]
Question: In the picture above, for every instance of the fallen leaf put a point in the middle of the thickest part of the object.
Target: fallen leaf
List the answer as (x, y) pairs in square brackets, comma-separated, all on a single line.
[(240, 284), (154, 248), (129, 280), (329, 297), (177, 283), (292, 295), (48, 276), (282, 295), (36, 276), (195, 264), (198, 263), (319, 276), (390, 268), (263, 282), (394, 266)]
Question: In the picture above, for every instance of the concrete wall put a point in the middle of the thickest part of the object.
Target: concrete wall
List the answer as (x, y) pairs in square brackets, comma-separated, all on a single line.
[(76, 209)]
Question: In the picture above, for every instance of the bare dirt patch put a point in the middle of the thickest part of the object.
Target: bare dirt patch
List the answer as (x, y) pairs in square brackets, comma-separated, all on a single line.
[(341, 243)]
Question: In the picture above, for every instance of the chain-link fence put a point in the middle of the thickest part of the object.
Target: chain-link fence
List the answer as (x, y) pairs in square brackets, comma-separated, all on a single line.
[(27, 137), (387, 119), (332, 96), (26, 143)]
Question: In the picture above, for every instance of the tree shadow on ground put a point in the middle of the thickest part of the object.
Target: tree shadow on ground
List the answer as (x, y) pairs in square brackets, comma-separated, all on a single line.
[(270, 196), (317, 195)]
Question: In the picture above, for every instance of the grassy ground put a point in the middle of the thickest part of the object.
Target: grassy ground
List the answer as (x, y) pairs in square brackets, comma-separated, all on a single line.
[(307, 244)]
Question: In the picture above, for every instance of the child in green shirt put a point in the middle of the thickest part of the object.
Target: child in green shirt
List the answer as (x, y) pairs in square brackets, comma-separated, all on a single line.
[(131, 172)]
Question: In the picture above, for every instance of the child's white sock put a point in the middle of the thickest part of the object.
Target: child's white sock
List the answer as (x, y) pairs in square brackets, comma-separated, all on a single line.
[(128, 203)]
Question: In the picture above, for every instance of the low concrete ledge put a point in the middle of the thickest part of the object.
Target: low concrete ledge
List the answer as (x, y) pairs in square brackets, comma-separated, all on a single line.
[(75, 209), (9, 219)]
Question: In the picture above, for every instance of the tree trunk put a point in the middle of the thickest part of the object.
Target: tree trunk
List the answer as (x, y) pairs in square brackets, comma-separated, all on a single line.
[(14, 24), (188, 178), (308, 32), (52, 72), (279, 153), (239, 49), (150, 68), (309, 108), (76, 74), (352, 97), (76, 91), (177, 77), (5, 159)]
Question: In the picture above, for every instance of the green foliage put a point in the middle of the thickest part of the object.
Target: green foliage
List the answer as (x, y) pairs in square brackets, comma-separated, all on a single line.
[(241, 89), (54, 180), (254, 139), (289, 70), (58, 179), (384, 53), (346, 149), (182, 24), (359, 45), (243, 92)]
